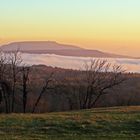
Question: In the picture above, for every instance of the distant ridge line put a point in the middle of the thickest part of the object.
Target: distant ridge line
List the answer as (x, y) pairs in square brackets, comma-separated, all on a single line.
[(52, 47)]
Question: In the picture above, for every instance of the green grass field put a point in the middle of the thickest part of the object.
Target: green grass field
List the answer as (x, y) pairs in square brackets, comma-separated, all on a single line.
[(119, 123)]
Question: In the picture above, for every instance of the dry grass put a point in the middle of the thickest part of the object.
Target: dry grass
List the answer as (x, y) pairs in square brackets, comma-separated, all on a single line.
[(102, 124)]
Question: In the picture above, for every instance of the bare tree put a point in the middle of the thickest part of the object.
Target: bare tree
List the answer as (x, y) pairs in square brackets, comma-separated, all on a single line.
[(46, 86), (3, 65), (97, 78), (15, 61), (25, 82), (5, 91)]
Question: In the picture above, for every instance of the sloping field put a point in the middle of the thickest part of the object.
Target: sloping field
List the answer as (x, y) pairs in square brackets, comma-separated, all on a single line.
[(118, 123)]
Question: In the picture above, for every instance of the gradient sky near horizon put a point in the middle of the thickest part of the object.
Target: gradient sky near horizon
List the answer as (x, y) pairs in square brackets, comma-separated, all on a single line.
[(107, 25)]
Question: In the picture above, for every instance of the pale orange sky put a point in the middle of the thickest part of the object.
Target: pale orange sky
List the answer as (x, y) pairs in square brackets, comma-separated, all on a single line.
[(111, 26)]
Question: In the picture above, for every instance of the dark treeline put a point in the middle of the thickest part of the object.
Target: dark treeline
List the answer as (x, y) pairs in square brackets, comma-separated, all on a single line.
[(38, 89)]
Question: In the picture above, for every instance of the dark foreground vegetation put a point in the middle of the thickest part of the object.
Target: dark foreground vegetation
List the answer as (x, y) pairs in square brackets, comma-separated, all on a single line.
[(38, 89), (118, 123)]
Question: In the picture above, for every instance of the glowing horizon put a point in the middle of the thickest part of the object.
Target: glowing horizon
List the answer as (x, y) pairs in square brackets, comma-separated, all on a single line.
[(106, 25)]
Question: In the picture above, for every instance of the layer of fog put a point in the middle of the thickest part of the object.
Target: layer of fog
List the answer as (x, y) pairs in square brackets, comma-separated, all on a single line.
[(131, 65)]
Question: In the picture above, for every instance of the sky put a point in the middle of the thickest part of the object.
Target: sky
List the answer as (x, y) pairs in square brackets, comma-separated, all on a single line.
[(107, 25)]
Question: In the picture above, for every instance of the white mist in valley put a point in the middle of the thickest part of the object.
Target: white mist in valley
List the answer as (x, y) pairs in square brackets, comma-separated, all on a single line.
[(69, 62)]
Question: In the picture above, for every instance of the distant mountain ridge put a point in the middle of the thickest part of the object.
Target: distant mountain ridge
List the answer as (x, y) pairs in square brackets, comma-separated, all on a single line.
[(38, 45), (52, 47)]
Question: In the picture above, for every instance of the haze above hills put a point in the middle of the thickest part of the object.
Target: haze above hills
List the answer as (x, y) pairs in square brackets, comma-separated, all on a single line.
[(52, 47)]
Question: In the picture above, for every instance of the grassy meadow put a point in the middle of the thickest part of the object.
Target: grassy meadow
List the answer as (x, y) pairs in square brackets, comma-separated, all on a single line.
[(118, 123)]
